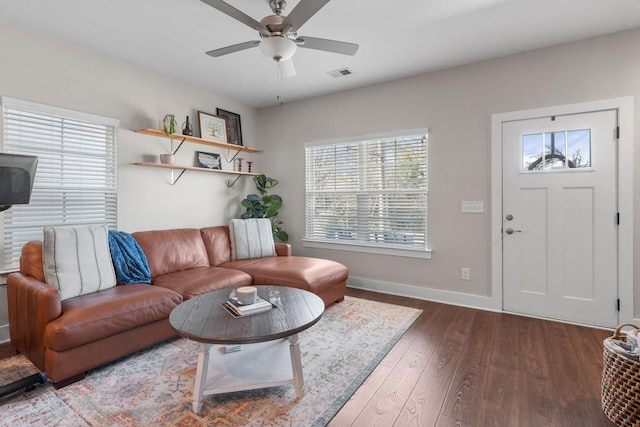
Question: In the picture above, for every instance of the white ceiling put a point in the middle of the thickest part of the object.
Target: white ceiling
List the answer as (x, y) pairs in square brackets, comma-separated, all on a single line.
[(397, 38)]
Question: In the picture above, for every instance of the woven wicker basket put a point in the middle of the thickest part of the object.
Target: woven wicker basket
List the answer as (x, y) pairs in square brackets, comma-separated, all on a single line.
[(621, 384)]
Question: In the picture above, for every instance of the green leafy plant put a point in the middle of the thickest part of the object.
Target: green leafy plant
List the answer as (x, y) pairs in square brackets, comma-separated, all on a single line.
[(169, 124), (265, 206)]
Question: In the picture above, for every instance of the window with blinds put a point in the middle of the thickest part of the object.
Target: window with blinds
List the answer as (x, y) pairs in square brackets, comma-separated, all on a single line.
[(368, 193), (75, 180)]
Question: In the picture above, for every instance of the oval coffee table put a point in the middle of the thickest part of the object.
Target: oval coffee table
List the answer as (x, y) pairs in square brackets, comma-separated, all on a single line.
[(269, 355)]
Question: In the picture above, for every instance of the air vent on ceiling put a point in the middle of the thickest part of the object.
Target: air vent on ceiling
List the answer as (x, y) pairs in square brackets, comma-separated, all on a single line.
[(342, 72)]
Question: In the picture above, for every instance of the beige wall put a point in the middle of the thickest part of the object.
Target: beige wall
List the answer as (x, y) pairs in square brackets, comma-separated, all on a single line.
[(456, 105)]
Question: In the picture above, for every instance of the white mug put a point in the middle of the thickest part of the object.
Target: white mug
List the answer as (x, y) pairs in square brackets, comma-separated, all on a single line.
[(246, 294)]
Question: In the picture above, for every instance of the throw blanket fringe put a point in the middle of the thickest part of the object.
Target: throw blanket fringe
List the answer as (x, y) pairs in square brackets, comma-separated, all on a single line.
[(128, 259)]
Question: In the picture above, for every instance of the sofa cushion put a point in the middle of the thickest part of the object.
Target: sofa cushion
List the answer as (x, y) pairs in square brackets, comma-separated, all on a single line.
[(92, 317), (251, 238), (197, 281), (77, 259), (168, 251), (218, 244), (310, 274)]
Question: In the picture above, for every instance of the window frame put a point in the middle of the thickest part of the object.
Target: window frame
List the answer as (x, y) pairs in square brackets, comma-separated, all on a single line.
[(367, 247)]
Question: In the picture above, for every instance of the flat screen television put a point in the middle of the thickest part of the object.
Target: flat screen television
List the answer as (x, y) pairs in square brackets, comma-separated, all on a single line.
[(17, 173)]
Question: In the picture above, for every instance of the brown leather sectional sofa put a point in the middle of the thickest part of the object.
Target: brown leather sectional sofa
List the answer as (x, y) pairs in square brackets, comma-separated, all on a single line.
[(65, 339)]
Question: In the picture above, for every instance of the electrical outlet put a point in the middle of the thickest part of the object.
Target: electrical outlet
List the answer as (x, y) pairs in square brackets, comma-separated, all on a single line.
[(465, 273)]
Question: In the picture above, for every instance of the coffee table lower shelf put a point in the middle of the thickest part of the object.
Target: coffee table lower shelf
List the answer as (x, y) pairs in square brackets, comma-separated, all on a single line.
[(259, 365)]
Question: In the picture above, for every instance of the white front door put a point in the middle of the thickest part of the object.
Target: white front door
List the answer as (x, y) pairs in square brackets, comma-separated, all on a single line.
[(559, 217)]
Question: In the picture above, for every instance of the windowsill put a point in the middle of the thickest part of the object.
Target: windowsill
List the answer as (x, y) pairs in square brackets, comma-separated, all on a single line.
[(361, 247)]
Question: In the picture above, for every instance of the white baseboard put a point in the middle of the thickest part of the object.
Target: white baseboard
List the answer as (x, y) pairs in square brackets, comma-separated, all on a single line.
[(429, 294), (444, 297)]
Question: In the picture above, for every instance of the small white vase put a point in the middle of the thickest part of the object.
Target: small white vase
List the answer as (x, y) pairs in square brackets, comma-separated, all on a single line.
[(167, 159)]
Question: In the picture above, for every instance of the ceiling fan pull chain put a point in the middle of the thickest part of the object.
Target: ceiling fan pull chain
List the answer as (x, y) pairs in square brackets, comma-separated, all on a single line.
[(279, 84)]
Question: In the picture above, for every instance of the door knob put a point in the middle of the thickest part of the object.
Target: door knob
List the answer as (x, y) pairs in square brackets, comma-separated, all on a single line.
[(511, 231)]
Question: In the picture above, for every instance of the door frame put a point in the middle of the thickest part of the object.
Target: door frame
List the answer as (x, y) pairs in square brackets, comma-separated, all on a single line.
[(625, 193)]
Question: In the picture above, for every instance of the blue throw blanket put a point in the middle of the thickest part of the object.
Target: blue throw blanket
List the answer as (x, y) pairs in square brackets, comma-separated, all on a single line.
[(128, 259)]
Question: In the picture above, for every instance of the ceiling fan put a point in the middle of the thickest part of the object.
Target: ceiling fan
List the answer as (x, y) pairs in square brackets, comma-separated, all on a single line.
[(278, 33)]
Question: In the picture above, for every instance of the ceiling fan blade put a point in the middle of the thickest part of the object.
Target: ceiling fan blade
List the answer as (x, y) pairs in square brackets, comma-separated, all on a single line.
[(233, 48), (287, 68), (327, 45), (301, 14), (237, 14)]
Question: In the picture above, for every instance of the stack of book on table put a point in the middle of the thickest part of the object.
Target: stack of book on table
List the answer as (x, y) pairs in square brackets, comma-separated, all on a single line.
[(238, 309)]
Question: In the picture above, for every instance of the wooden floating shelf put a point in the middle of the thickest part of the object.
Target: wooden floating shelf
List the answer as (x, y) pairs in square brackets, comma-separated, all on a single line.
[(194, 168), (183, 169), (195, 139)]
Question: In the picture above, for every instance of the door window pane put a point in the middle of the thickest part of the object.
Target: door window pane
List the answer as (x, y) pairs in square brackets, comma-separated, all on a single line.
[(579, 148), (550, 151), (531, 150)]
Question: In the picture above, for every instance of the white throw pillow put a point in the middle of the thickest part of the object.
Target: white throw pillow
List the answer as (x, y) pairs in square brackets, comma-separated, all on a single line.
[(251, 238), (77, 260)]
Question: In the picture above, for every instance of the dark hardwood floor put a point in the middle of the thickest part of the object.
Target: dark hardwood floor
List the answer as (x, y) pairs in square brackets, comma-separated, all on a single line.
[(458, 366)]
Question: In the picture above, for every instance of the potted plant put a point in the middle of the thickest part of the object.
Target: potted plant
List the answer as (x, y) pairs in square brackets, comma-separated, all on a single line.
[(169, 127), (265, 206)]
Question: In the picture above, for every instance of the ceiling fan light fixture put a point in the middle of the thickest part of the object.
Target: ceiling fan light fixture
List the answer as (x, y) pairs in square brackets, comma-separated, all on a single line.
[(278, 48)]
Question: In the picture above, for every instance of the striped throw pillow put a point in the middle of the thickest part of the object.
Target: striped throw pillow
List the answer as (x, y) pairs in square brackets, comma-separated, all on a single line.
[(77, 260), (251, 238)]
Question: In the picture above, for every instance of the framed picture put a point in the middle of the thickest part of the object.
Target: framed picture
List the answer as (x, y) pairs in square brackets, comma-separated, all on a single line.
[(234, 130), (208, 160), (212, 128)]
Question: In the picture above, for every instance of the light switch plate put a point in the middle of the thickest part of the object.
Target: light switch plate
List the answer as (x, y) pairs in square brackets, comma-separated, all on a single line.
[(472, 206)]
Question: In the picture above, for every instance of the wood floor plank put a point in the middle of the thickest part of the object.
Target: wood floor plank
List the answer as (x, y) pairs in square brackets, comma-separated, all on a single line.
[(391, 396), (449, 336), (499, 406), (536, 393), (569, 389), (350, 412), (468, 382), (413, 335)]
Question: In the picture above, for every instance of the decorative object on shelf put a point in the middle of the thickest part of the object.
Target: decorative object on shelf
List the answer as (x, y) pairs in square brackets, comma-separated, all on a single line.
[(212, 127), (169, 127), (167, 159), (169, 124), (266, 206), (208, 160), (187, 129), (234, 129), (239, 164), (249, 164)]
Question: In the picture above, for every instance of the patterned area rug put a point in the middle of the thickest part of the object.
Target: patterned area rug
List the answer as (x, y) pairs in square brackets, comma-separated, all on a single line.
[(154, 387)]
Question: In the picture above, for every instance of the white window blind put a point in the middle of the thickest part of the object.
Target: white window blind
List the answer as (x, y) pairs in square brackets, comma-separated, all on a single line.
[(76, 176), (371, 192)]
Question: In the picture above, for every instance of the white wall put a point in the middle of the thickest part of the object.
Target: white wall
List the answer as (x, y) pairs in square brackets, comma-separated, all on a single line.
[(456, 105)]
